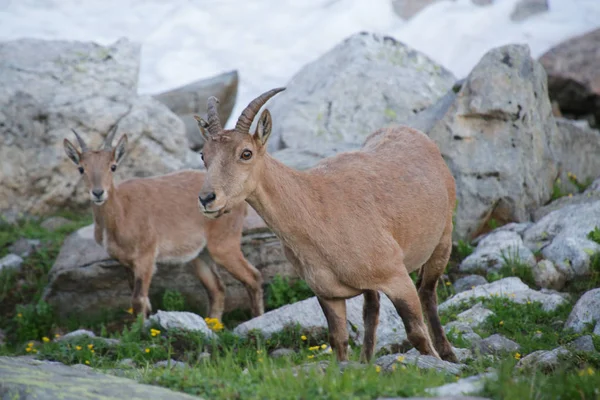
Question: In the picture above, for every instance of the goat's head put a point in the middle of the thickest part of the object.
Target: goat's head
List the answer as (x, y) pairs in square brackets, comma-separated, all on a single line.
[(97, 166), (233, 158)]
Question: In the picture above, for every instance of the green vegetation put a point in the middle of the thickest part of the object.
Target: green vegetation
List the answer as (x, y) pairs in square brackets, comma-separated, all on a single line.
[(241, 368), (558, 192), (281, 292)]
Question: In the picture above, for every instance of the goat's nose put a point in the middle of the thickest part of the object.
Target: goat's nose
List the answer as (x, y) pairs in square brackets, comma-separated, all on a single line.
[(207, 199), (98, 193)]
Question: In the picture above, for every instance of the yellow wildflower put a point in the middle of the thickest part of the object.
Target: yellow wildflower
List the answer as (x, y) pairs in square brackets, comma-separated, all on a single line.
[(538, 332), (323, 346), (517, 356), (448, 283), (400, 358), (34, 351), (30, 344), (90, 346), (303, 337), (394, 367), (377, 368), (260, 360), (258, 351), (154, 332), (19, 315), (77, 348), (214, 324), (45, 339), (311, 356), (93, 351), (56, 335), (313, 348), (590, 371), (501, 323), (129, 310), (28, 349), (147, 350), (87, 362)]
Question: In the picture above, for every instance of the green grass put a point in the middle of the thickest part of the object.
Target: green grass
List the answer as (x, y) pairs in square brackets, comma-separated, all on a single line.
[(241, 368)]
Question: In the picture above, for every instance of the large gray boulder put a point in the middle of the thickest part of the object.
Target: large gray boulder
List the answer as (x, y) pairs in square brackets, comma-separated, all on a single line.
[(49, 87), (574, 75), (26, 379), (364, 83), (85, 280), (562, 237), (190, 99), (309, 316), (495, 138)]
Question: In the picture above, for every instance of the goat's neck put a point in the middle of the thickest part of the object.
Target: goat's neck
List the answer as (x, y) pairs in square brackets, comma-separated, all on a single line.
[(286, 199), (107, 215)]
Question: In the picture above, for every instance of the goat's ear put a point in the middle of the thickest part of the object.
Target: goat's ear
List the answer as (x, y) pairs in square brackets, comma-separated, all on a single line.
[(203, 126), (72, 152), (121, 149), (263, 127)]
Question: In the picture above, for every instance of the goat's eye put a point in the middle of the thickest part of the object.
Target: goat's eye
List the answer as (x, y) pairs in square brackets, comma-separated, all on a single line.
[(113, 167), (246, 155), (80, 170)]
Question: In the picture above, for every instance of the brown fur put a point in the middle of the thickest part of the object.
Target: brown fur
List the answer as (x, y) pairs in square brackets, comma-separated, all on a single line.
[(148, 220), (356, 223)]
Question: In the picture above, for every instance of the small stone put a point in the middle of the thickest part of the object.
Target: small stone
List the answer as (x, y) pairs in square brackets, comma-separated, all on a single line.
[(585, 311), (127, 363), (546, 275), (279, 353), (11, 261), (420, 361), (469, 282), (464, 330), (81, 366), (475, 316), (170, 363), (583, 343), (181, 320), (24, 247), (54, 223), (471, 385), (76, 335), (495, 344), (545, 360)]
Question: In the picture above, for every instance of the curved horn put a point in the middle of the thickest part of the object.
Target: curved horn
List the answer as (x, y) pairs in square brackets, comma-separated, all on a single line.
[(214, 124), (247, 116), (82, 144), (109, 137)]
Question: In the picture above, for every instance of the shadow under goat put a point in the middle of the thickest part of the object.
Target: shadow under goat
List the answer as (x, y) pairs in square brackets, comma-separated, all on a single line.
[(144, 221)]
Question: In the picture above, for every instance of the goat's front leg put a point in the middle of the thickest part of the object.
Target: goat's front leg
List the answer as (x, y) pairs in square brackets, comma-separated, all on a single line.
[(143, 270), (335, 313), (214, 287), (229, 256)]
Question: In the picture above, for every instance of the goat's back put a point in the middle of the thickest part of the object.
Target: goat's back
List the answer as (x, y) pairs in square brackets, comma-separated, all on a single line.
[(397, 183)]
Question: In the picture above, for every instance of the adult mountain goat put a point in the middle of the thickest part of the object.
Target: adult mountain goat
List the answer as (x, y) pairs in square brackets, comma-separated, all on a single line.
[(356, 223)]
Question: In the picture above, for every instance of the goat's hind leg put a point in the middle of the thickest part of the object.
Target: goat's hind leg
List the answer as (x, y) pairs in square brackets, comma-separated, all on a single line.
[(403, 294), (427, 284), (211, 280), (371, 320)]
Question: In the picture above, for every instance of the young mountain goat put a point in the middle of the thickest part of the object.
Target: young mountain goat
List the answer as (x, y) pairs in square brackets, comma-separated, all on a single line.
[(357, 223), (147, 220)]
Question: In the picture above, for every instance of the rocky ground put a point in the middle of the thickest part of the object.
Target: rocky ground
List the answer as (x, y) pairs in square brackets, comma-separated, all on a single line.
[(520, 300)]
